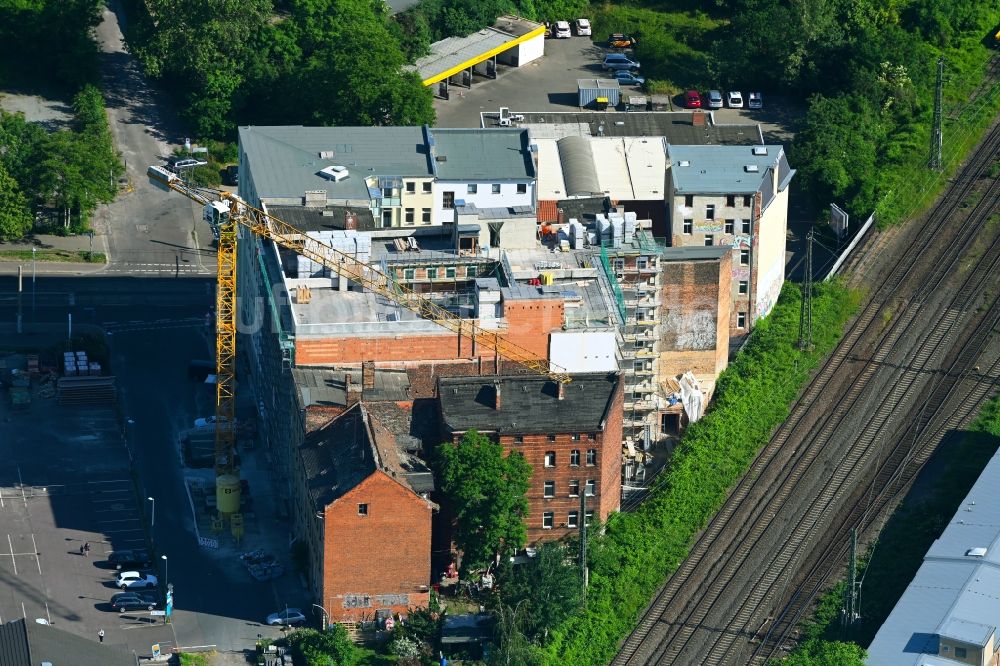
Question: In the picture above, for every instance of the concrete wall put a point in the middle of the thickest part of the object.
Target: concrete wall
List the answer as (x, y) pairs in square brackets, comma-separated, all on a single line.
[(532, 49), (380, 560), (772, 234), (591, 351), (483, 198)]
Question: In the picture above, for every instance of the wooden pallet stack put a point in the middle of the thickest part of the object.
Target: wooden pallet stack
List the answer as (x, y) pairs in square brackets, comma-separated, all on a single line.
[(88, 390)]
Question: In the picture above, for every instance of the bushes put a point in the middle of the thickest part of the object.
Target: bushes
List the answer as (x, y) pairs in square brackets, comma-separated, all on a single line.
[(638, 550)]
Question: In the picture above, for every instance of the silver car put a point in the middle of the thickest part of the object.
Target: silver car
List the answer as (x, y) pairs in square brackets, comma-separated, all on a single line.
[(287, 618), (714, 99)]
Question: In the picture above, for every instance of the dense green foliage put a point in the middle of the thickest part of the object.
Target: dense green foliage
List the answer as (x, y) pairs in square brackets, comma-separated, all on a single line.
[(42, 41), (324, 648), (638, 550), (546, 590), (70, 171), (320, 62), (826, 653), (486, 490)]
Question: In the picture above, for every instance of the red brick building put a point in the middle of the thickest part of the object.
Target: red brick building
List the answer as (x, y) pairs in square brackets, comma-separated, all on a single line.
[(372, 545), (570, 434)]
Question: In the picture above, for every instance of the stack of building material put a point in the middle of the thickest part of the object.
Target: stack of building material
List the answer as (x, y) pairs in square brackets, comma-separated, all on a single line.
[(76, 364), (356, 244), (86, 390)]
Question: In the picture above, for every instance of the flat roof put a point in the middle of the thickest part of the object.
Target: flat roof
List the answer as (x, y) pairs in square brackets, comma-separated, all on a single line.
[(478, 154), (721, 169), (453, 54), (285, 161), (622, 168), (528, 404), (598, 84), (326, 218), (953, 594)]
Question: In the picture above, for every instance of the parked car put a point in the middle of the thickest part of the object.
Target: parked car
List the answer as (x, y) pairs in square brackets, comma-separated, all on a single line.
[(714, 99), (615, 61), (135, 579), (692, 99), (129, 559), (625, 77), (232, 175), (289, 617), (562, 30), (618, 40), (734, 99), (583, 27), (128, 601), (177, 163), (755, 101), (206, 421)]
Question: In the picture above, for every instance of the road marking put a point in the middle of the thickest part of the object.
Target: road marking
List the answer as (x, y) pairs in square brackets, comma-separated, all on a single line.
[(120, 531), (49, 617), (24, 613), (120, 520), (23, 496), (112, 481), (113, 499), (38, 562), (12, 559)]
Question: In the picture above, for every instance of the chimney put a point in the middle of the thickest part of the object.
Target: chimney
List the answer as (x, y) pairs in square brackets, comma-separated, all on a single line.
[(561, 217), (352, 389), (368, 375), (698, 118), (496, 389), (562, 390)]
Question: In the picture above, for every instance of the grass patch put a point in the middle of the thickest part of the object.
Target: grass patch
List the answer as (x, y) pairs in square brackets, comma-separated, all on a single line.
[(65, 256), (193, 659), (639, 550)]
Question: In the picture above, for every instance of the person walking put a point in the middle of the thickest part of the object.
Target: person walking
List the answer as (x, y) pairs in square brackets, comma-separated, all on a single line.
[(86, 548), (100, 635)]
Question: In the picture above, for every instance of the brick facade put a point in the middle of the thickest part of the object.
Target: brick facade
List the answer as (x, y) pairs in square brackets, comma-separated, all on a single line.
[(380, 560)]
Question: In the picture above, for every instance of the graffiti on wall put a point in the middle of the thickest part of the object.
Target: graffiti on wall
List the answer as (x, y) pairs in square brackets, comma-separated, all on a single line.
[(768, 291), (741, 272), (690, 331), (709, 227), (740, 241)]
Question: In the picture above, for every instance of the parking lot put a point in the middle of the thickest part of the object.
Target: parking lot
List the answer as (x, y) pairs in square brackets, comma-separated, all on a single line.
[(549, 84)]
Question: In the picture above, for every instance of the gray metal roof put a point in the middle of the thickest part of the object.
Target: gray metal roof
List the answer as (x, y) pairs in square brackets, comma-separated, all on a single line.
[(284, 161), (482, 154), (323, 219), (453, 52), (954, 593), (577, 161), (598, 84), (24, 643), (677, 127), (720, 169)]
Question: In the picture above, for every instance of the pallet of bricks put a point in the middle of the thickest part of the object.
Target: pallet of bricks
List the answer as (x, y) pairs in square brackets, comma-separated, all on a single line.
[(82, 383)]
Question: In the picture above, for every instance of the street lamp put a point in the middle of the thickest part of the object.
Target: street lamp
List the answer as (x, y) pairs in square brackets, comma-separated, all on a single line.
[(33, 283), (152, 513), (325, 614), (166, 569)]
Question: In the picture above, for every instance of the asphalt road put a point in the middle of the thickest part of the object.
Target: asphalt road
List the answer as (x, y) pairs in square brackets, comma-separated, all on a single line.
[(155, 327), (146, 231)]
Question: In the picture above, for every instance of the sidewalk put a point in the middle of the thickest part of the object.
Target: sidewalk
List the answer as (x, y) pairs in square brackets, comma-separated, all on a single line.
[(48, 242)]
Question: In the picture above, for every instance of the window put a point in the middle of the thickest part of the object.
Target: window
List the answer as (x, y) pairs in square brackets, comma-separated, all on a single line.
[(960, 653), (688, 226), (522, 188), (472, 188), (575, 438), (574, 488), (409, 216), (730, 226), (409, 274), (552, 438), (637, 366), (449, 272), (425, 215), (386, 192), (572, 519), (574, 458), (547, 520), (730, 200), (470, 271), (496, 188), (387, 218), (448, 200), (427, 187), (709, 240), (618, 264), (592, 436), (744, 257), (411, 187), (589, 517), (744, 286), (710, 212), (590, 488), (432, 273), (591, 456), (362, 509), (641, 263), (549, 489), (741, 320), (689, 200), (746, 200), (518, 439), (550, 458), (746, 226)]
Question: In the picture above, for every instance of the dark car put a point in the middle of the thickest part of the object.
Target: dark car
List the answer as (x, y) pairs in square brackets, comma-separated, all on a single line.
[(130, 601), (129, 559), (231, 175)]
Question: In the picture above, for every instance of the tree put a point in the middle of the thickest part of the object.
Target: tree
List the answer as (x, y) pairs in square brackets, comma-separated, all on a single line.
[(325, 648), (15, 216), (486, 490), (512, 647), (826, 653), (548, 588)]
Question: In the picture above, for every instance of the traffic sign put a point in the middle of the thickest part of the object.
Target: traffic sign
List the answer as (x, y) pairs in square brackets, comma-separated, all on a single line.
[(157, 613), (156, 650)]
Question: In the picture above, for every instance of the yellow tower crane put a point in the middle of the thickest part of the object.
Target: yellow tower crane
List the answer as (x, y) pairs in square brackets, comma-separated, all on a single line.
[(226, 212)]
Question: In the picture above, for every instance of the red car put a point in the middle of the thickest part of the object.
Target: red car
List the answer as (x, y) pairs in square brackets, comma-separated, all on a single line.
[(692, 99)]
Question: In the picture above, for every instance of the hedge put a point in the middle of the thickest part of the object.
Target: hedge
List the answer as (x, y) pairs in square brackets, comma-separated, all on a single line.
[(639, 550)]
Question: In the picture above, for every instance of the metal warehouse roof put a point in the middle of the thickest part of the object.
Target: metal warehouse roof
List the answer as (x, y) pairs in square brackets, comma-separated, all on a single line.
[(452, 55), (285, 160), (722, 169), (478, 154), (628, 168), (577, 162), (954, 593)]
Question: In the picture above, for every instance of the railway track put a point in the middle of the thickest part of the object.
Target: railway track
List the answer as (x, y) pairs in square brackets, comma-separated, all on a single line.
[(668, 630)]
